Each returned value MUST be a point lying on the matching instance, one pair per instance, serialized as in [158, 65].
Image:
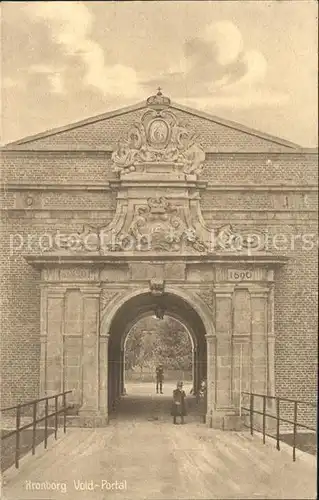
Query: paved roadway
[147, 456]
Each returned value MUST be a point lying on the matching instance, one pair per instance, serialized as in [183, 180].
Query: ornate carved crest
[160, 226]
[158, 137]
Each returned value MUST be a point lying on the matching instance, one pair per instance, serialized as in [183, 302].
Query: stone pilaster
[224, 311]
[103, 375]
[54, 345]
[271, 388]
[211, 371]
[122, 372]
[43, 340]
[240, 368]
[241, 339]
[89, 411]
[194, 369]
[43, 365]
[258, 341]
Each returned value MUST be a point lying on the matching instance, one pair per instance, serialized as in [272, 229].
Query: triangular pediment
[102, 132]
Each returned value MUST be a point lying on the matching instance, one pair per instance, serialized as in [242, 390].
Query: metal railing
[36, 420]
[252, 411]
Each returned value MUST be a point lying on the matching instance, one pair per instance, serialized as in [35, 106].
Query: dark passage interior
[129, 399]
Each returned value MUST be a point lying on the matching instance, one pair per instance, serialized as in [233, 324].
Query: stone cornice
[17, 150]
[52, 260]
[108, 150]
[110, 184]
[93, 186]
[262, 187]
[211, 153]
[210, 210]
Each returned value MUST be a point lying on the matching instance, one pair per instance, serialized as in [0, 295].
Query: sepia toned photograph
[159, 250]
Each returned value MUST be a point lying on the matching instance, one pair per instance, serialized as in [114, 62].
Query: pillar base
[233, 423]
[224, 422]
[92, 419]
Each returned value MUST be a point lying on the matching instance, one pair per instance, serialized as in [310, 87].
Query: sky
[253, 62]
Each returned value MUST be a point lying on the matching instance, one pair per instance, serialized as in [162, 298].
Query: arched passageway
[142, 305]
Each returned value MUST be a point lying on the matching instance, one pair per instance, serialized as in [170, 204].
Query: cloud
[217, 67]
[53, 75]
[70, 24]
[232, 100]
[9, 83]
[57, 84]
[227, 40]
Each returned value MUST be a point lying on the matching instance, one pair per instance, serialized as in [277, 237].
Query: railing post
[56, 417]
[46, 423]
[34, 427]
[264, 419]
[17, 454]
[295, 432]
[251, 414]
[64, 413]
[278, 422]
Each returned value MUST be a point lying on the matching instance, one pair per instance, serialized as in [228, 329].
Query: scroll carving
[106, 297]
[242, 239]
[158, 137]
[161, 226]
[206, 294]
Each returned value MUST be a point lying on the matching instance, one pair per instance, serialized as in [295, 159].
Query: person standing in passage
[179, 405]
[159, 378]
[203, 400]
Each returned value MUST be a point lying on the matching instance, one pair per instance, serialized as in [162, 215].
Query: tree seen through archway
[152, 341]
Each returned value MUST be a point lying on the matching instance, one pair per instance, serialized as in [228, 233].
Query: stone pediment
[101, 132]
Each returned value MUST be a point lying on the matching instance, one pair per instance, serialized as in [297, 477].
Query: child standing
[179, 405]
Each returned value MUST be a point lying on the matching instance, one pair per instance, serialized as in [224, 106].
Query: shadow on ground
[143, 403]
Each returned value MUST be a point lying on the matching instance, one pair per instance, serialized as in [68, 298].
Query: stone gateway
[158, 207]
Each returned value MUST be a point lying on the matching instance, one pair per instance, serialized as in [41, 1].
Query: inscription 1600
[240, 275]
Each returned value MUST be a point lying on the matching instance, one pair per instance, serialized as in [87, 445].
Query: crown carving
[158, 101]
[158, 205]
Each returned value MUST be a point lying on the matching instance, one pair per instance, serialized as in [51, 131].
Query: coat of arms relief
[160, 226]
[158, 137]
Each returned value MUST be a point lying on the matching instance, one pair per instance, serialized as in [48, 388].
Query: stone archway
[117, 319]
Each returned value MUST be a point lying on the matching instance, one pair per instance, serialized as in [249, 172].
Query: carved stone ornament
[88, 240]
[157, 287]
[206, 294]
[107, 295]
[240, 240]
[160, 226]
[158, 137]
[157, 226]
